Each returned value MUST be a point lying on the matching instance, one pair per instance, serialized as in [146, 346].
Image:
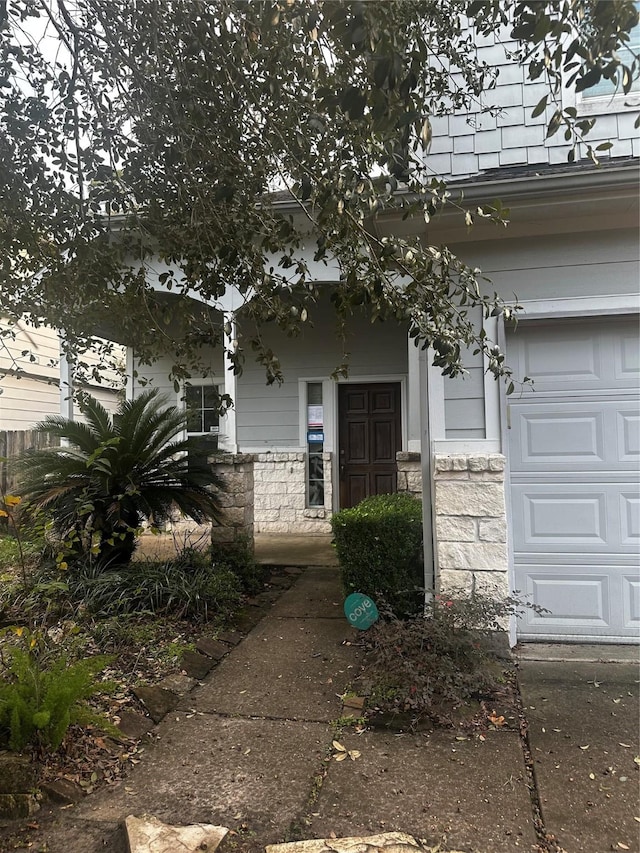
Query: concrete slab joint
[470, 522]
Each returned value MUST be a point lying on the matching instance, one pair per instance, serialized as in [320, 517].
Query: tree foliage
[166, 128]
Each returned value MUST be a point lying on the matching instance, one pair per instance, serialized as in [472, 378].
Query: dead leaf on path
[626, 745]
[342, 752]
[496, 719]
[637, 759]
[623, 846]
[585, 747]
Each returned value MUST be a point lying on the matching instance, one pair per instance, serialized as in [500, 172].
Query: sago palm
[112, 472]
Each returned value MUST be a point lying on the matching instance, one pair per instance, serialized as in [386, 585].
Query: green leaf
[540, 107]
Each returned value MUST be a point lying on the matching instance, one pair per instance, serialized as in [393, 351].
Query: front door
[370, 436]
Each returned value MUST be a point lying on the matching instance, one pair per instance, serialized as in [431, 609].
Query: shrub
[238, 557]
[379, 546]
[428, 665]
[42, 693]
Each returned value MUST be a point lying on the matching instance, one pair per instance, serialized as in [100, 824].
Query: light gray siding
[560, 265]
[464, 145]
[464, 397]
[269, 416]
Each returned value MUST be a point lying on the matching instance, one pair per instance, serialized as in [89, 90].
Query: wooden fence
[12, 444]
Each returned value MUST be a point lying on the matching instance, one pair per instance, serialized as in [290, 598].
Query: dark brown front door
[370, 436]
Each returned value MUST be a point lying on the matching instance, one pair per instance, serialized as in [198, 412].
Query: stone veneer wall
[409, 473]
[470, 522]
[280, 482]
[237, 472]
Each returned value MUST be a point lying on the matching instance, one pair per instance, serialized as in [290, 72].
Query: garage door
[574, 451]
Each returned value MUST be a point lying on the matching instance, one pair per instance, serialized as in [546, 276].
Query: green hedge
[379, 546]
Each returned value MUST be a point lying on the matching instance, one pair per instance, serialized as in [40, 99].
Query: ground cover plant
[81, 640]
[440, 665]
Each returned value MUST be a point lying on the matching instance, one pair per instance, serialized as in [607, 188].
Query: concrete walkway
[251, 749]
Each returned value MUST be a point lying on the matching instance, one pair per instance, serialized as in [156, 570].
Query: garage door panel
[572, 600]
[553, 435]
[575, 517]
[584, 355]
[631, 586]
[627, 361]
[552, 361]
[630, 519]
[629, 436]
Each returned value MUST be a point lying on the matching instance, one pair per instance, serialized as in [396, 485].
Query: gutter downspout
[427, 479]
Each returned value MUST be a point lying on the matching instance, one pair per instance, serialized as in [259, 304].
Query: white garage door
[574, 450]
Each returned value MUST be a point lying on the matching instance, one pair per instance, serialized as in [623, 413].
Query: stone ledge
[476, 462]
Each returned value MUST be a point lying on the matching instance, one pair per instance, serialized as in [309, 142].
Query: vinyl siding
[269, 416]
[560, 266]
[29, 377]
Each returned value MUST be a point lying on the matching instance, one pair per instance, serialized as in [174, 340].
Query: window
[315, 445]
[203, 418]
[597, 98]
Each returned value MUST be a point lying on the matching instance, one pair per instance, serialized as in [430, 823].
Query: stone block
[213, 649]
[473, 556]
[62, 791]
[459, 463]
[17, 774]
[177, 683]
[497, 462]
[196, 665]
[148, 833]
[443, 463]
[451, 528]
[414, 481]
[452, 581]
[470, 498]
[156, 700]
[17, 806]
[134, 725]
[492, 530]
[401, 481]
[494, 584]
[478, 463]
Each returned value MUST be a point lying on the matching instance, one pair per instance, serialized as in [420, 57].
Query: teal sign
[360, 611]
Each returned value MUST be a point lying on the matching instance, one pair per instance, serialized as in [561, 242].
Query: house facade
[536, 492]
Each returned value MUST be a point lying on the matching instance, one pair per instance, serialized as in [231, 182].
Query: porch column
[413, 397]
[229, 440]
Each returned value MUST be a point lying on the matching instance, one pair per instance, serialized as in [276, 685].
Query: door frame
[370, 379]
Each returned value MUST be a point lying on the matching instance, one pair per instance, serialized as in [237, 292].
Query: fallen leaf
[354, 753]
[340, 756]
[626, 745]
[623, 846]
[592, 775]
[336, 745]
[585, 747]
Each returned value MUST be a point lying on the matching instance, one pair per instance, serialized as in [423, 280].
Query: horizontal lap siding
[464, 396]
[559, 266]
[270, 416]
